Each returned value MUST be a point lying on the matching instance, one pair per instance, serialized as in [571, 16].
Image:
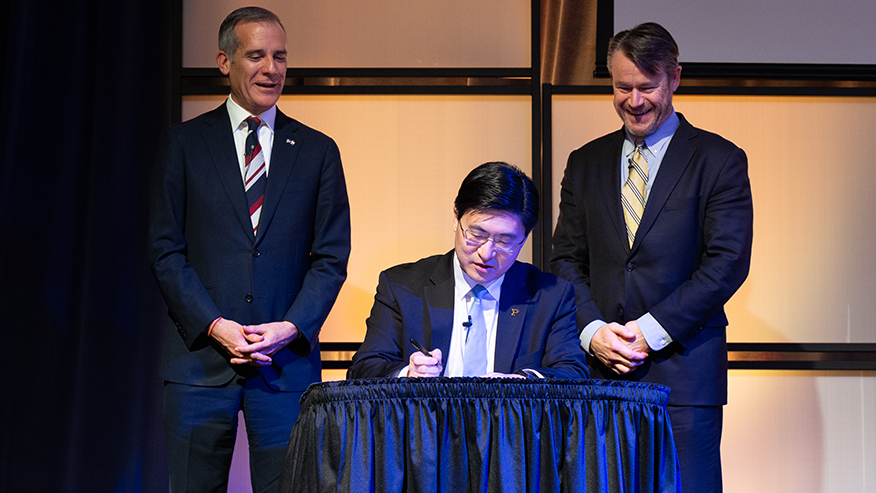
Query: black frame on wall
[749, 80]
[748, 356]
[526, 81]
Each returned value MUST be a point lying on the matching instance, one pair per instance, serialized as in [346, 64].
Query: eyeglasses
[478, 238]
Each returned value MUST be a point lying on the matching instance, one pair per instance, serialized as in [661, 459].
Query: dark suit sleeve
[563, 356]
[727, 231]
[189, 304]
[382, 353]
[329, 251]
[571, 252]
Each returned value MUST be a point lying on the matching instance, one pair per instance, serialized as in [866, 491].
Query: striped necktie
[474, 353]
[255, 178]
[633, 192]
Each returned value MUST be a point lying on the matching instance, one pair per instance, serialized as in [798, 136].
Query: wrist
[294, 329]
[212, 326]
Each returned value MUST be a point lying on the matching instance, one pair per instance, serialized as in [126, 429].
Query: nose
[269, 66]
[636, 98]
[272, 66]
[487, 251]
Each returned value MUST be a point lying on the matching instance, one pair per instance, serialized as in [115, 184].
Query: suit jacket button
[256, 253]
[620, 312]
[630, 267]
[248, 298]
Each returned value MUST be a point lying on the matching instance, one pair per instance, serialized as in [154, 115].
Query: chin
[640, 130]
[267, 103]
[480, 278]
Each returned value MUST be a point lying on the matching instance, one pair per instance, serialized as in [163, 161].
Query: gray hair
[228, 40]
[649, 46]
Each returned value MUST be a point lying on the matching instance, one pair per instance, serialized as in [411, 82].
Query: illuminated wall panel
[378, 33]
[800, 431]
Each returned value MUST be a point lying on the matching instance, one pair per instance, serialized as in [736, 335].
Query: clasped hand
[253, 344]
[622, 348]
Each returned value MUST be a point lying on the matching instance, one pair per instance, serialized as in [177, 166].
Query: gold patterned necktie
[633, 192]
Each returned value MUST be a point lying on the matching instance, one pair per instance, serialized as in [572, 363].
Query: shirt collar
[238, 115]
[657, 141]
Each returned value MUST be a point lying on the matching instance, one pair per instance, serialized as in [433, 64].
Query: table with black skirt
[460, 435]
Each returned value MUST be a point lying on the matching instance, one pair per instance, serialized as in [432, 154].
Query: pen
[420, 347]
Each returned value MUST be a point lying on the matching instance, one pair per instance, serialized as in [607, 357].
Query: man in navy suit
[528, 319]
[651, 284]
[248, 279]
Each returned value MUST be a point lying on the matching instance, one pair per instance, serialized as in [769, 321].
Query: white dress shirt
[240, 130]
[462, 300]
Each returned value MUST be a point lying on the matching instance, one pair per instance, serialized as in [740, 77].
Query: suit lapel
[512, 314]
[219, 141]
[676, 160]
[284, 154]
[438, 325]
[609, 186]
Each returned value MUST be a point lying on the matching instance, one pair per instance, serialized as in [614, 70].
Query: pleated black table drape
[459, 435]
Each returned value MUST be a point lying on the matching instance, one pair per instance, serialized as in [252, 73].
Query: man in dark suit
[655, 232]
[489, 314]
[249, 270]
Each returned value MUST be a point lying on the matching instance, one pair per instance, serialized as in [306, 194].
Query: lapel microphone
[467, 324]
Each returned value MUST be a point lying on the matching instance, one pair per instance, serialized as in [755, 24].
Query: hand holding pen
[424, 363]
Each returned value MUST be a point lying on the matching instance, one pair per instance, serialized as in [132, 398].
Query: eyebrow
[475, 227]
[263, 52]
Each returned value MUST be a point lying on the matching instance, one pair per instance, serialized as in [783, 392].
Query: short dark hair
[649, 46]
[228, 40]
[499, 186]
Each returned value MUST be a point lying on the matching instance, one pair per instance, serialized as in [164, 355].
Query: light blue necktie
[474, 353]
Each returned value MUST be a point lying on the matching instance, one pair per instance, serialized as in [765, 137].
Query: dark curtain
[85, 95]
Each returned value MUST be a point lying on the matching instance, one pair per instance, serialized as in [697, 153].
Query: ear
[455, 220]
[676, 79]
[224, 62]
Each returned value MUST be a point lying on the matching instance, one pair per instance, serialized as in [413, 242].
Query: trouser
[200, 426]
[697, 433]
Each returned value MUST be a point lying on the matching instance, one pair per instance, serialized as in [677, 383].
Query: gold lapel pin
[514, 311]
